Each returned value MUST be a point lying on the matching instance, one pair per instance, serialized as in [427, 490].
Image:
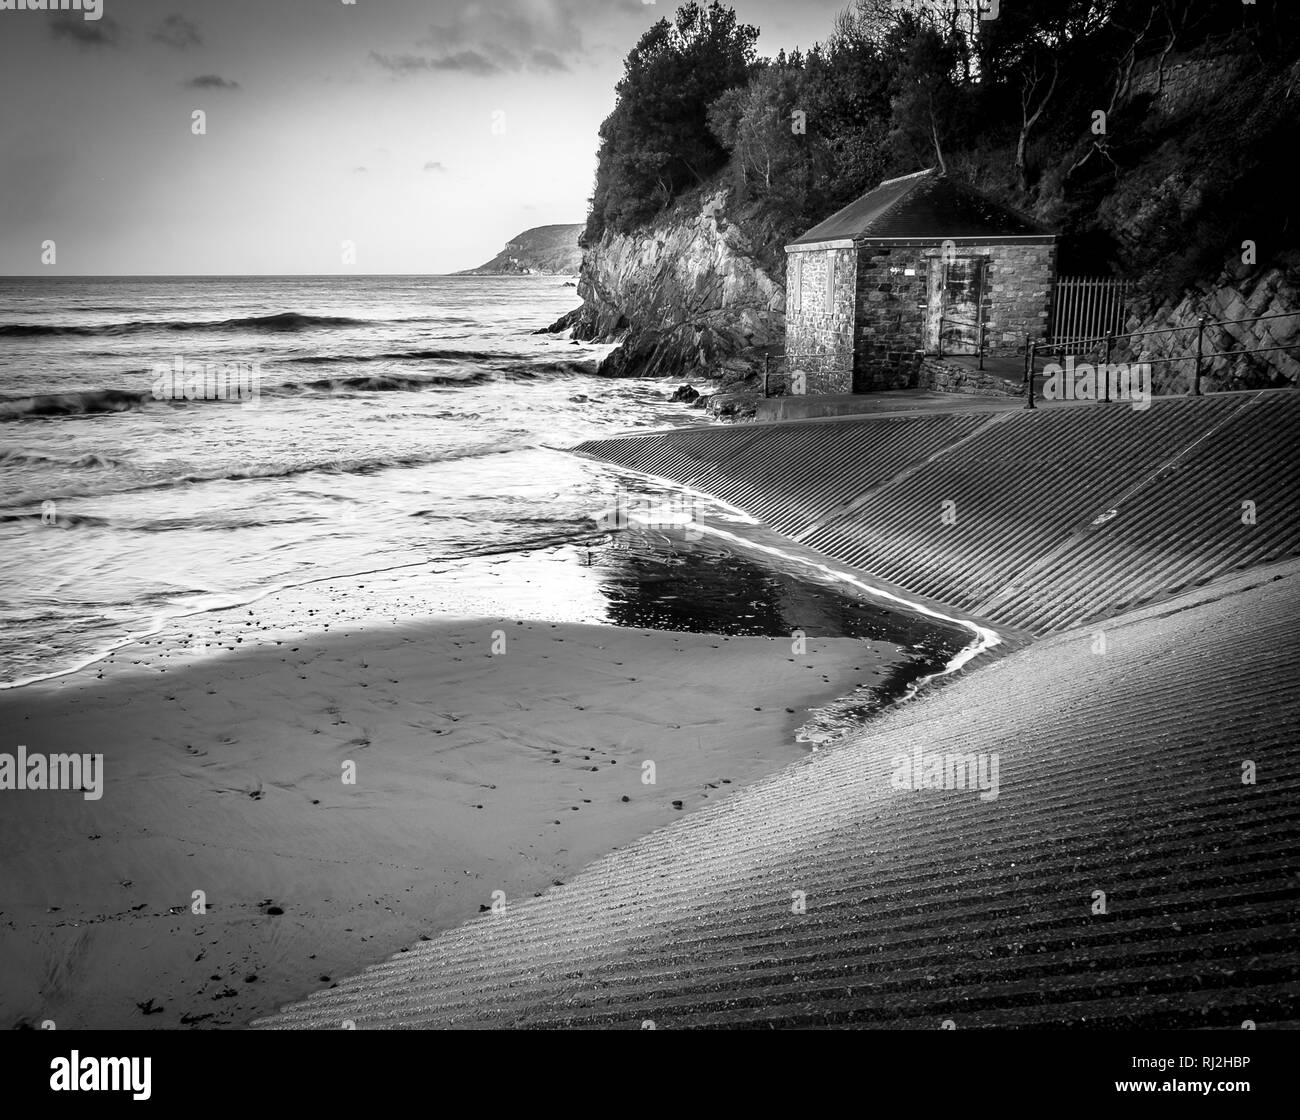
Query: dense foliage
[1010, 103]
[656, 143]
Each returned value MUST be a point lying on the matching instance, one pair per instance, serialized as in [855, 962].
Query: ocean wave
[55, 521]
[402, 356]
[380, 383]
[565, 366]
[280, 321]
[83, 401]
[208, 525]
[369, 465]
[77, 402]
[89, 461]
[423, 414]
[510, 365]
[73, 402]
[562, 534]
[272, 471]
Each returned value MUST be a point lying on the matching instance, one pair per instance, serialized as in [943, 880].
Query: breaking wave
[281, 321]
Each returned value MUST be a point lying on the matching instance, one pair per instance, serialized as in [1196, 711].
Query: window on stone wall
[830, 282]
[795, 279]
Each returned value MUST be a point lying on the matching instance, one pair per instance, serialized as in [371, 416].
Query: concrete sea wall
[1037, 520]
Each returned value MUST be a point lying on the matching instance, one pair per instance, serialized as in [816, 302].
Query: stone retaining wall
[948, 377]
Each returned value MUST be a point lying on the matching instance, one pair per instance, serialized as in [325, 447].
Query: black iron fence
[1085, 307]
[1104, 347]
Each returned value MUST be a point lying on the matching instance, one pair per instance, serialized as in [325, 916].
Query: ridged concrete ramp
[1058, 516]
[1120, 774]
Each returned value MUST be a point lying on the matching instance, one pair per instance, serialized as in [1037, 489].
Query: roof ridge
[890, 207]
[900, 178]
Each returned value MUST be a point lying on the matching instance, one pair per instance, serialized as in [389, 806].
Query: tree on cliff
[657, 143]
[756, 125]
[846, 91]
[925, 108]
[808, 133]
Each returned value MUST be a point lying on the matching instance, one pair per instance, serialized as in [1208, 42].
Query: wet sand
[476, 772]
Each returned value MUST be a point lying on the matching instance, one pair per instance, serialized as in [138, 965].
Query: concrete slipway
[1137, 866]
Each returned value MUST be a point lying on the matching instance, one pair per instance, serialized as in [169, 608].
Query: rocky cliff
[688, 295]
[1246, 354]
[546, 250]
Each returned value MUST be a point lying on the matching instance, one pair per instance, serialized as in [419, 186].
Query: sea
[358, 450]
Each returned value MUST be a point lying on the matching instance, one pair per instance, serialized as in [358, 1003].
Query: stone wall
[948, 377]
[819, 334]
[891, 315]
[1018, 300]
[892, 293]
[1186, 82]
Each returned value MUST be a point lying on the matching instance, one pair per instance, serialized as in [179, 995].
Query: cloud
[546, 60]
[103, 32]
[211, 81]
[358, 169]
[553, 25]
[434, 165]
[176, 31]
[467, 62]
[505, 36]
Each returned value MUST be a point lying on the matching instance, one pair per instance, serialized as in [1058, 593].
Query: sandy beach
[475, 772]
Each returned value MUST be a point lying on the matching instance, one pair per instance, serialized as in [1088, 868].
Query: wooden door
[952, 321]
[960, 332]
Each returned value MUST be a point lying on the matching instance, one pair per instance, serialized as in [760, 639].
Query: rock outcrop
[686, 295]
[1247, 355]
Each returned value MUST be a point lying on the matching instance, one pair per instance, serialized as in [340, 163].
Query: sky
[375, 136]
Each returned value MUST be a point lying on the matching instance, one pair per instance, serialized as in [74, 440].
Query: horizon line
[260, 275]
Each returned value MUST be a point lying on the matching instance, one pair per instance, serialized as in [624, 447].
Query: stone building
[920, 265]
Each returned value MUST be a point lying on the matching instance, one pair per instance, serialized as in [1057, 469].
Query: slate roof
[923, 206]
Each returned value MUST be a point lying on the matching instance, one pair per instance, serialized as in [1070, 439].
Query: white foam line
[672, 484]
[984, 638]
[164, 620]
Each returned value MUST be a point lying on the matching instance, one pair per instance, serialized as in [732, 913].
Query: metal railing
[1083, 306]
[1107, 343]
